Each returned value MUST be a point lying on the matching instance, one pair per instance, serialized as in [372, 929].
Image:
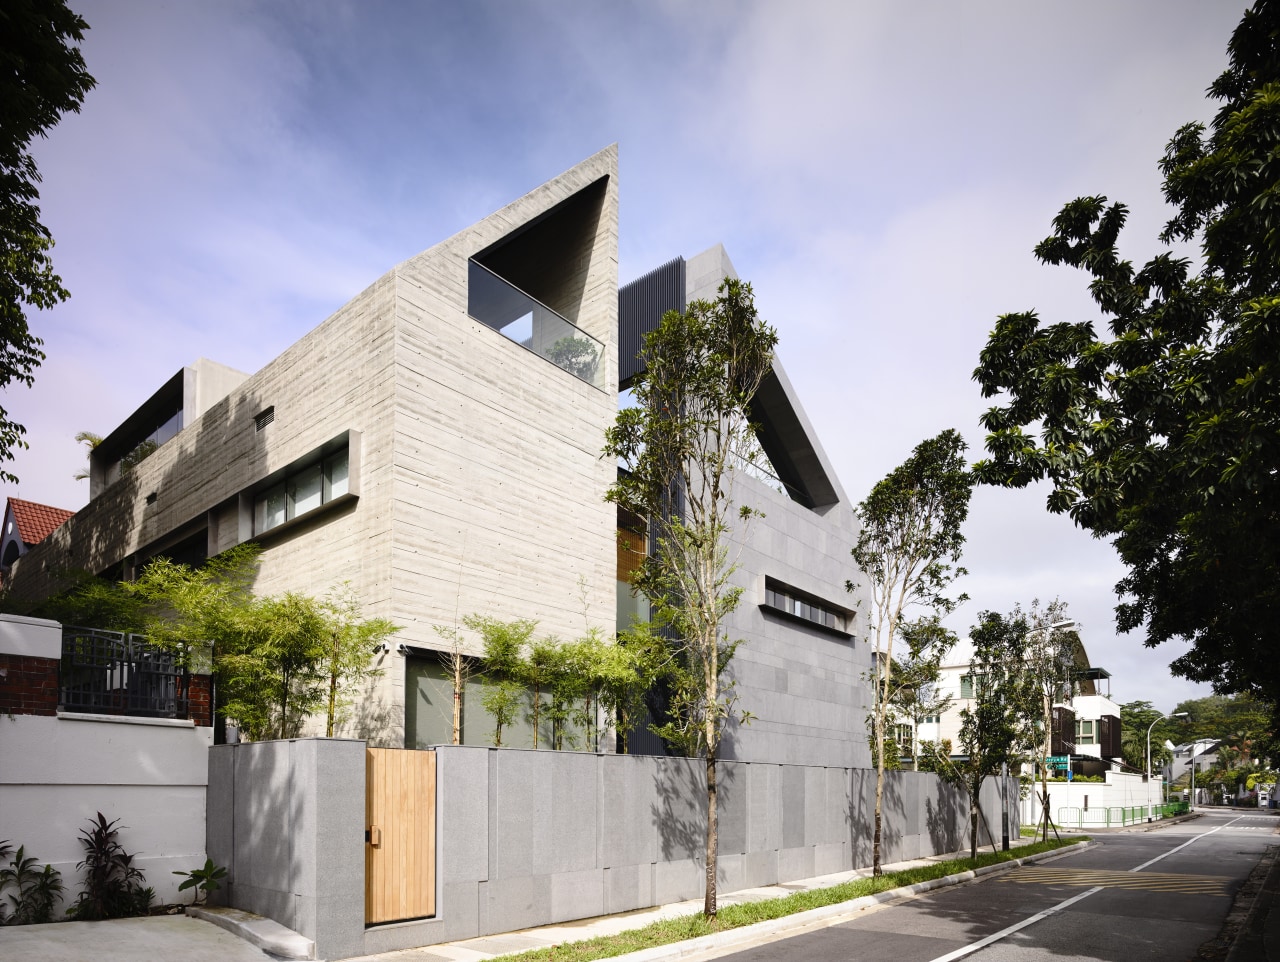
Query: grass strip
[667, 931]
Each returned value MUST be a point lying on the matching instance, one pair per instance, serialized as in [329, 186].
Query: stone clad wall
[527, 838]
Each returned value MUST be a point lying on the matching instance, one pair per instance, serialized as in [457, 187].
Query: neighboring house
[436, 443]
[1204, 751]
[26, 524]
[1086, 730]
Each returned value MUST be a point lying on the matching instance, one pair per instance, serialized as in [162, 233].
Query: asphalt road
[1132, 897]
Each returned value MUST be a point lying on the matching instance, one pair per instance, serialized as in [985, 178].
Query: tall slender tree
[906, 554]
[683, 443]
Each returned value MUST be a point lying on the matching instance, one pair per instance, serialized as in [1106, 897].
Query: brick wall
[28, 685]
[199, 698]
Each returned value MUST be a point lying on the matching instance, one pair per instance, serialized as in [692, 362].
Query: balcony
[531, 324]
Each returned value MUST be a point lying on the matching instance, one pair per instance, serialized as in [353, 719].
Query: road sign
[1058, 761]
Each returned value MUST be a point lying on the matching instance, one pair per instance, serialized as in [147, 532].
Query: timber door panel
[400, 835]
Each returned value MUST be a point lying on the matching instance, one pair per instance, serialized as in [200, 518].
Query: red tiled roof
[36, 521]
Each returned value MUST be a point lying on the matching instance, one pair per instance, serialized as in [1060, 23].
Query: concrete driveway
[156, 938]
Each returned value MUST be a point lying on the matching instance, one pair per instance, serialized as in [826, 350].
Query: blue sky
[878, 171]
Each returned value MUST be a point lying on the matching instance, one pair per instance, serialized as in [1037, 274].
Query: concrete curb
[829, 914]
[266, 934]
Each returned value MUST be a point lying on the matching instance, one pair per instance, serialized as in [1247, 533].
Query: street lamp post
[1177, 714]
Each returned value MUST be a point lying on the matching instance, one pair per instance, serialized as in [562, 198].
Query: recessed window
[782, 599]
[304, 490]
[1086, 733]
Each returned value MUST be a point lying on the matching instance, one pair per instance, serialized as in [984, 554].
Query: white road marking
[964, 950]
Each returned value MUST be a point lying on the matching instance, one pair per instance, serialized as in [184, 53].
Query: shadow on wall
[680, 812]
[947, 817]
[372, 719]
[861, 819]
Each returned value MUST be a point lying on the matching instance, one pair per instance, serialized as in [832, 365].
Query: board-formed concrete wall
[528, 838]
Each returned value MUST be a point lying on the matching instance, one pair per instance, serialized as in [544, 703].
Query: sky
[880, 173]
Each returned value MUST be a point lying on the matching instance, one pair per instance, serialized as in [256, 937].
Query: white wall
[1120, 790]
[149, 773]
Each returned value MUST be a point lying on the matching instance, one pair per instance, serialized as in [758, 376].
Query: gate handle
[373, 836]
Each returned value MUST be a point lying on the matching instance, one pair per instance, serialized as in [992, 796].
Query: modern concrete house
[435, 445]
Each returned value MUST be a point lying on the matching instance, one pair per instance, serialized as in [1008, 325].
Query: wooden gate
[400, 835]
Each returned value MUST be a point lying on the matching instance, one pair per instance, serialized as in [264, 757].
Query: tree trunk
[973, 827]
[457, 699]
[709, 904]
[875, 837]
[333, 704]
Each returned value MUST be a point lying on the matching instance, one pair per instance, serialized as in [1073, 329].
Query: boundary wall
[528, 838]
[57, 769]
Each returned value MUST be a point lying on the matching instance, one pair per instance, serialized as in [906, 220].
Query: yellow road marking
[1133, 881]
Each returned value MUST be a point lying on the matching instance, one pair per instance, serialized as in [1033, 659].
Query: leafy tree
[1164, 434]
[1136, 717]
[1048, 676]
[917, 694]
[504, 646]
[272, 676]
[909, 542]
[349, 646]
[628, 670]
[683, 443]
[43, 77]
[994, 727]
[90, 441]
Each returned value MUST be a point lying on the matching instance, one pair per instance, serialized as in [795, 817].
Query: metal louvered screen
[110, 673]
[641, 305]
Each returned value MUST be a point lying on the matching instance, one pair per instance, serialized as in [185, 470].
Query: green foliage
[349, 644]
[683, 444]
[682, 441]
[1135, 719]
[35, 891]
[113, 886]
[994, 728]
[202, 880]
[935, 757]
[914, 692]
[906, 554]
[1162, 434]
[504, 644]
[44, 76]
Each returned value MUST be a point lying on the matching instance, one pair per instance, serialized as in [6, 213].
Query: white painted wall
[1120, 790]
[149, 773]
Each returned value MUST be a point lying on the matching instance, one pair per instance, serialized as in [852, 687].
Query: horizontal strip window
[303, 490]
[786, 600]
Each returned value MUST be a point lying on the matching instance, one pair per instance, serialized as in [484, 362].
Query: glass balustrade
[530, 323]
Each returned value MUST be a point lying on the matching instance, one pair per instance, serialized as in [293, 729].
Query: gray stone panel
[462, 839]
[678, 880]
[514, 903]
[577, 895]
[732, 797]
[794, 807]
[796, 863]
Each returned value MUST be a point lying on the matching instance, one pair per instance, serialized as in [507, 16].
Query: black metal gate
[111, 673]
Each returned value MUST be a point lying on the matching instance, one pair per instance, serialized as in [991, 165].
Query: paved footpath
[1190, 870]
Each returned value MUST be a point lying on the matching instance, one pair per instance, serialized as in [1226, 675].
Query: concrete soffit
[792, 445]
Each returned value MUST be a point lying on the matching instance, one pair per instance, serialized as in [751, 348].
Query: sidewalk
[490, 946]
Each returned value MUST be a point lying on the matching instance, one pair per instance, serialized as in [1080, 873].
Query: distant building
[1086, 730]
[26, 524]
